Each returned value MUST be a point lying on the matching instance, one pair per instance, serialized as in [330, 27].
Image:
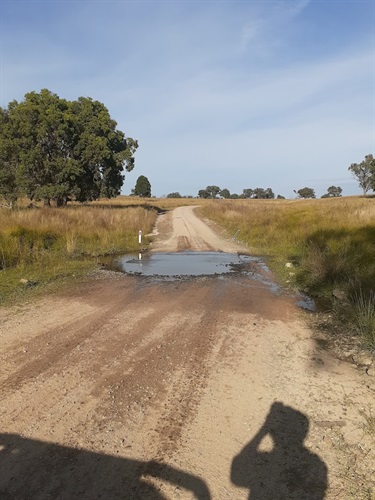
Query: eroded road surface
[127, 387]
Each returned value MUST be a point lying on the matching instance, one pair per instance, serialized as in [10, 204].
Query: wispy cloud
[269, 23]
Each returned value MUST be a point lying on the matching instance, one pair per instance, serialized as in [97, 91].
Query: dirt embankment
[213, 387]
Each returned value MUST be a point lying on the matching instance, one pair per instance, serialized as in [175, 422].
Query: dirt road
[183, 230]
[209, 387]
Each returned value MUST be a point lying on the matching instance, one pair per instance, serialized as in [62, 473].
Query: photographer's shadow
[288, 470]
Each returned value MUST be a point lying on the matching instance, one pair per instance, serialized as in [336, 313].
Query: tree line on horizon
[363, 172]
[260, 193]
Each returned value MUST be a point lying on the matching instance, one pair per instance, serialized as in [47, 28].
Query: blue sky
[240, 94]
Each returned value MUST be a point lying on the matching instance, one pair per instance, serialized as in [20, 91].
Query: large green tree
[39, 144]
[100, 149]
[64, 150]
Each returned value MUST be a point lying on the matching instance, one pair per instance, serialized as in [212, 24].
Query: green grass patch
[23, 282]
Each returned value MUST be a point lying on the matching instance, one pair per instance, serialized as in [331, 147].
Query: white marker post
[140, 242]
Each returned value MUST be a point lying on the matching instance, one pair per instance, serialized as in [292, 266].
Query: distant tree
[306, 192]
[280, 197]
[260, 193]
[202, 193]
[269, 194]
[174, 195]
[213, 191]
[234, 196]
[224, 193]
[364, 172]
[142, 187]
[247, 193]
[333, 192]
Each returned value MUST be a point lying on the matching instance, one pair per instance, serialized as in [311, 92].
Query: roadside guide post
[140, 242]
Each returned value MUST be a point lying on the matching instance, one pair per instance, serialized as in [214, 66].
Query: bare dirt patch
[212, 387]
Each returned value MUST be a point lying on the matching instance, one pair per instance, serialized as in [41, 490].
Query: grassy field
[325, 247]
[42, 245]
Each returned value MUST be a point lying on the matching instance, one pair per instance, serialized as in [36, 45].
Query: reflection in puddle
[184, 264]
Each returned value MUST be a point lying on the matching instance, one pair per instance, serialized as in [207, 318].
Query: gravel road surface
[127, 387]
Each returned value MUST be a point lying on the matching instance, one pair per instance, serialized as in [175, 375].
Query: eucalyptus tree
[9, 190]
[225, 193]
[100, 150]
[364, 172]
[305, 192]
[61, 150]
[260, 193]
[247, 193]
[40, 143]
[333, 192]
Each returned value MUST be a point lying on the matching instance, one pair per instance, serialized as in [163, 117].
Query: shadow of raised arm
[288, 470]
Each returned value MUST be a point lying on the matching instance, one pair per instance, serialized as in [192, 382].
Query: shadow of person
[288, 470]
[36, 469]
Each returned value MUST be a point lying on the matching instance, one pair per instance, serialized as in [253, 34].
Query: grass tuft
[363, 310]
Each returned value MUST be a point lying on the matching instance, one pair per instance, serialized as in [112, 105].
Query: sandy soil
[213, 387]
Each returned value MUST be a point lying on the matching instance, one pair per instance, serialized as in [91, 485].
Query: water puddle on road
[180, 265]
[184, 264]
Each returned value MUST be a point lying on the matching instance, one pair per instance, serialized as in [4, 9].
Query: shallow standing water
[174, 266]
[182, 263]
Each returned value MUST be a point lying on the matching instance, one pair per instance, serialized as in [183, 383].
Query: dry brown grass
[74, 230]
[273, 226]
[43, 244]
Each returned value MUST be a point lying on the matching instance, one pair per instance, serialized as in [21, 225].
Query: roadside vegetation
[42, 245]
[324, 247]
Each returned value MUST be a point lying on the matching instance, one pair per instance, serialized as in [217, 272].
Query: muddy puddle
[184, 264]
[180, 265]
